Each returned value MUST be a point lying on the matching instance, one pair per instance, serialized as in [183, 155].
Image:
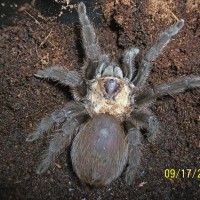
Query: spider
[110, 107]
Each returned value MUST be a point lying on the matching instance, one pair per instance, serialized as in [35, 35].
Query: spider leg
[65, 77]
[71, 78]
[57, 117]
[134, 154]
[148, 121]
[59, 142]
[88, 33]
[129, 61]
[179, 85]
[154, 51]
[92, 49]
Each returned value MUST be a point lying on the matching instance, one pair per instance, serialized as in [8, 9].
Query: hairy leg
[60, 141]
[148, 121]
[71, 78]
[134, 154]
[68, 112]
[167, 88]
[154, 51]
[129, 61]
[92, 49]
[88, 33]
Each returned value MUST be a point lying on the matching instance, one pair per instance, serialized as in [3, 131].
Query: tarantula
[109, 109]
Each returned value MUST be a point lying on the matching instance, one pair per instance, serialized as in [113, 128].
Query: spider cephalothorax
[109, 95]
[109, 109]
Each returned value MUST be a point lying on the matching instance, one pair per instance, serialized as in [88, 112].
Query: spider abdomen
[99, 151]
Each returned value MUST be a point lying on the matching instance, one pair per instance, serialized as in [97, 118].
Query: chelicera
[111, 105]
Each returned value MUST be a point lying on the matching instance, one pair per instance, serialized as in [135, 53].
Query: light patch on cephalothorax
[115, 101]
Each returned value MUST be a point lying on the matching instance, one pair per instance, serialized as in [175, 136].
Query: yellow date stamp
[182, 173]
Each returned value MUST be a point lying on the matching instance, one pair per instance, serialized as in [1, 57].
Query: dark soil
[37, 42]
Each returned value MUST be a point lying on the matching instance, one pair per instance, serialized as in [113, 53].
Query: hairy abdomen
[99, 151]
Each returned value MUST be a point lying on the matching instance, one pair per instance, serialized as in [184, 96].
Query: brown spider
[110, 107]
